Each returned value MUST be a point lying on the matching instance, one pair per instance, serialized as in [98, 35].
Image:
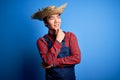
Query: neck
[52, 32]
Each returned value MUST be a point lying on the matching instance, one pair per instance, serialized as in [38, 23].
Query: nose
[56, 20]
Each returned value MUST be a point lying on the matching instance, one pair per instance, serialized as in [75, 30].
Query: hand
[46, 66]
[60, 35]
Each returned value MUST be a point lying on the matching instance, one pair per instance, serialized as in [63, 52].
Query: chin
[57, 28]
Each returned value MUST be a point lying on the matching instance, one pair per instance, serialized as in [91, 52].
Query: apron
[58, 73]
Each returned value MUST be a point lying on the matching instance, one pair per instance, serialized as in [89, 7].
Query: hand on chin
[56, 30]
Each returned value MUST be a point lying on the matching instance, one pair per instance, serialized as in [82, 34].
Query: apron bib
[58, 73]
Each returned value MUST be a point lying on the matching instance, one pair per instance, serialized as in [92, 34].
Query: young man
[58, 49]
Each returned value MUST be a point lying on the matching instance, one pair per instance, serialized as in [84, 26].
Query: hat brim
[40, 15]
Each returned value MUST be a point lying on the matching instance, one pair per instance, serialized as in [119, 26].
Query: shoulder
[70, 34]
[41, 40]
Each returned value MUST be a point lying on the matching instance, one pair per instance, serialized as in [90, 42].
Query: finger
[56, 31]
[47, 67]
[43, 65]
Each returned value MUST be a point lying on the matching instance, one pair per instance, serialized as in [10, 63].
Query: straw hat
[41, 14]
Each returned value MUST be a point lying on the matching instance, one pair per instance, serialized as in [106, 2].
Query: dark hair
[45, 19]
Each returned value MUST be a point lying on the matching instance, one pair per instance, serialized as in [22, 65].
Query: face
[53, 22]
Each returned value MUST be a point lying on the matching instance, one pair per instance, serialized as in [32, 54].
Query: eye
[51, 17]
[58, 17]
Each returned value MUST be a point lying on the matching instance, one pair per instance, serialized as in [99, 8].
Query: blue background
[96, 24]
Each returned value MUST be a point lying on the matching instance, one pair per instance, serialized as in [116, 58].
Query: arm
[75, 56]
[48, 56]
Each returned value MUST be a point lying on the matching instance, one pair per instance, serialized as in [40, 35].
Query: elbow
[46, 60]
[78, 61]
[78, 57]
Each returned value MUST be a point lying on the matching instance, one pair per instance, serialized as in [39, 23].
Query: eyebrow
[52, 16]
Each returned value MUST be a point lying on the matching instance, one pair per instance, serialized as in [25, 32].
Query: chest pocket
[65, 51]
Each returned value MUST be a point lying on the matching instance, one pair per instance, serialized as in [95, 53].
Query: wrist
[58, 40]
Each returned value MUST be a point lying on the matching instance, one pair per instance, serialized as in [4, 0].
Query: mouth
[56, 26]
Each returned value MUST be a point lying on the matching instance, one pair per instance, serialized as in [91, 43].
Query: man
[58, 49]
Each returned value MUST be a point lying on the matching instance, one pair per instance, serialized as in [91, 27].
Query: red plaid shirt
[49, 56]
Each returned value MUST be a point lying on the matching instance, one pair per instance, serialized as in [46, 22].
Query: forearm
[69, 60]
[49, 55]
